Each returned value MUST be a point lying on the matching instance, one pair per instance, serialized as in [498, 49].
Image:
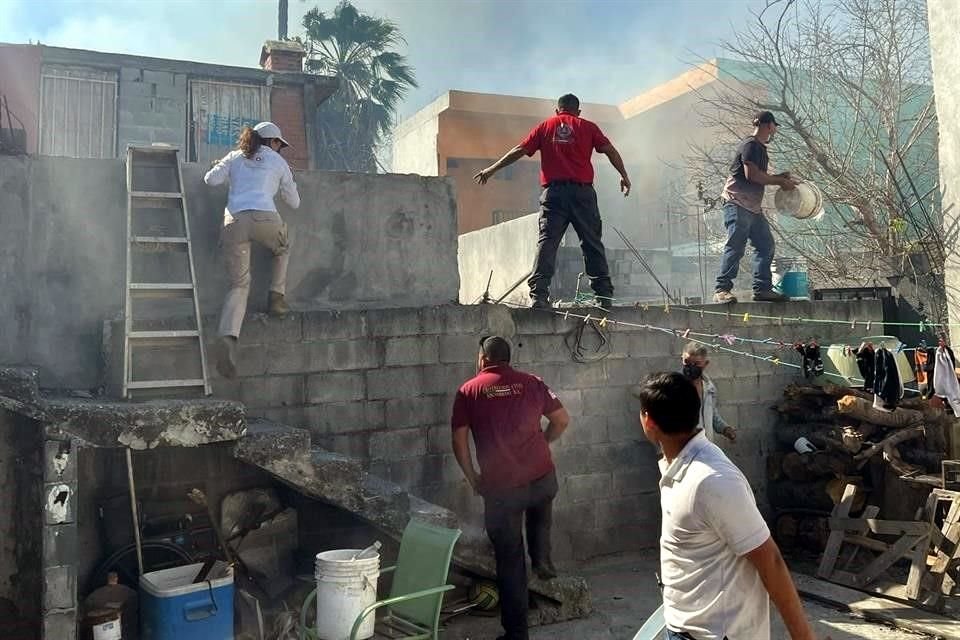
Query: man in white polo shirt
[718, 562]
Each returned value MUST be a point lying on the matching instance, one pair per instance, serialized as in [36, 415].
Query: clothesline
[605, 321]
[923, 325]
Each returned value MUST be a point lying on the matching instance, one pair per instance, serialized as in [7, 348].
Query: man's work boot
[724, 297]
[278, 305]
[605, 302]
[227, 357]
[541, 303]
[769, 296]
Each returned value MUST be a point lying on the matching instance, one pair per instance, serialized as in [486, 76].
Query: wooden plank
[835, 541]
[882, 527]
[918, 563]
[882, 562]
[951, 532]
[896, 614]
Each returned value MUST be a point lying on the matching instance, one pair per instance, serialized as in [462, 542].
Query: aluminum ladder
[154, 191]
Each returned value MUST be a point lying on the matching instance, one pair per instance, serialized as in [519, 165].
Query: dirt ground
[625, 593]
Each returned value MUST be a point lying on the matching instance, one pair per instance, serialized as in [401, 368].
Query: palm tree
[357, 48]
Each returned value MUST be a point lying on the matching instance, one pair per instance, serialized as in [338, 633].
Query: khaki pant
[263, 227]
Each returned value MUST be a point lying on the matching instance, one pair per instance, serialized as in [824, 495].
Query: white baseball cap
[270, 130]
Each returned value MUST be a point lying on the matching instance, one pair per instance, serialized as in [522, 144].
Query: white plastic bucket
[802, 203]
[345, 587]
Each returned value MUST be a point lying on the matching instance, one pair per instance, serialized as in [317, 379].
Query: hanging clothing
[923, 368]
[812, 364]
[887, 387]
[945, 382]
[866, 362]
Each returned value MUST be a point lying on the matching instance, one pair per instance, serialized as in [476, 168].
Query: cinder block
[59, 588]
[389, 323]
[399, 382]
[608, 401]
[421, 411]
[354, 445]
[129, 74]
[158, 77]
[460, 348]
[60, 625]
[131, 106]
[334, 325]
[446, 378]
[272, 391]
[581, 516]
[411, 351]
[253, 359]
[60, 545]
[60, 461]
[549, 349]
[586, 430]
[398, 444]
[426, 470]
[587, 487]
[175, 91]
[628, 482]
[439, 438]
[636, 509]
[344, 355]
[284, 358]
[128, 90]
[536, 321]
[260, 328]
[576, 375]
[336, 387]
[344, 417]
[454, 319]
[625, 427]
[571, 399]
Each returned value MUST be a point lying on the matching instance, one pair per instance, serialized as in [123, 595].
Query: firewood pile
[853, 443]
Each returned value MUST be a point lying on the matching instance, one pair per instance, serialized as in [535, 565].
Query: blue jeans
[743, 225]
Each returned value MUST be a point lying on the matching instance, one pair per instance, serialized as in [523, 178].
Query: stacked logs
[855, 443]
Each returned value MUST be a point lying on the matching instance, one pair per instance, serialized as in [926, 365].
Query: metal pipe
[133, 510]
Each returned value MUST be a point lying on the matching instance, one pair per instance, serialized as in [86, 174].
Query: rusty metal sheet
[219, 111]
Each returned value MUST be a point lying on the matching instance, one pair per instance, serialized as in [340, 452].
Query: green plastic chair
[419, 582]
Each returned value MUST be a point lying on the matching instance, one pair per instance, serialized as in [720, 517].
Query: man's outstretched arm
[614, 156]
[778, 583]
[508, 159]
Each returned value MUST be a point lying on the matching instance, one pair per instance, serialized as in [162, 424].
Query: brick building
[88, 104]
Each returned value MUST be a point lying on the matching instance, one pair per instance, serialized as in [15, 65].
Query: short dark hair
[671, 400]
[568, 102]
[764, 117]
[495, 349]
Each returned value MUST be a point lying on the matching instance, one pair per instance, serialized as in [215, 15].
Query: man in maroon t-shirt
[566, 142]
[502, 408]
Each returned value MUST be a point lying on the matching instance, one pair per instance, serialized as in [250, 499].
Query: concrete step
[284, 452]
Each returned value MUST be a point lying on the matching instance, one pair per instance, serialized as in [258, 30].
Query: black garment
[812, 362]
[504, 520]
[563, 204]
[886, 383]
[866, 361]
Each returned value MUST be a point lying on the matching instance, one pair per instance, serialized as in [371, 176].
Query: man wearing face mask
[695, 361]
[743, 215]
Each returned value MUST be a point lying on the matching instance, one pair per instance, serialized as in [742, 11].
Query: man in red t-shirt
[566, 142]
[502, 408]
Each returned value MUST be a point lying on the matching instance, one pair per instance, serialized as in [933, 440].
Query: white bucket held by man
[803, 203]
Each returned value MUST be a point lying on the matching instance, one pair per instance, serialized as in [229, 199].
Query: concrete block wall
[379, 385]
[60, 534]
[151, 107]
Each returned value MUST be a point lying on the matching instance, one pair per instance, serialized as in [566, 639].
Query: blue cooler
[173, 608]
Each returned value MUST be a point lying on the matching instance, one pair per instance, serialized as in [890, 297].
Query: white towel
[945, 382]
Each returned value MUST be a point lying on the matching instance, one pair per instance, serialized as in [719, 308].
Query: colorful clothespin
[746, 317]
[566, 315]
[603, 323]
[781, 321]
[869, 322]
[728, 338]
[701, 314]
[686, 334]
[923, 326]
[853, 325]
[666, 308]
[645, 307]
[587, 319]
[775, 361]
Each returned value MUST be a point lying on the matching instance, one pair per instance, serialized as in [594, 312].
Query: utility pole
[282, 20]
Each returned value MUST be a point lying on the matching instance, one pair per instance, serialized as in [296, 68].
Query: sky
[603, 50]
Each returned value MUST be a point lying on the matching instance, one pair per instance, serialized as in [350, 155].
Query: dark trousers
[743, 225]
[563, 204]
[504, 519]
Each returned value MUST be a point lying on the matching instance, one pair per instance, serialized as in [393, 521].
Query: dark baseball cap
[764, 117]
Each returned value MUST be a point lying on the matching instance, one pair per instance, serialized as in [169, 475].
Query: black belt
[562, 183]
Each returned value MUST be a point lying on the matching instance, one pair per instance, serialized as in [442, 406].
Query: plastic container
[790, 277]
[345, 587]
[173, 608]
[803, 203]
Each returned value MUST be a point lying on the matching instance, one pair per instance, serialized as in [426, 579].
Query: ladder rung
[161, 289]
[156, 194]
[151, 335]
[158, 240]
[164, 384]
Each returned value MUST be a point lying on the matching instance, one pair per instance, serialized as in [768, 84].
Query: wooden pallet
[933, 549]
